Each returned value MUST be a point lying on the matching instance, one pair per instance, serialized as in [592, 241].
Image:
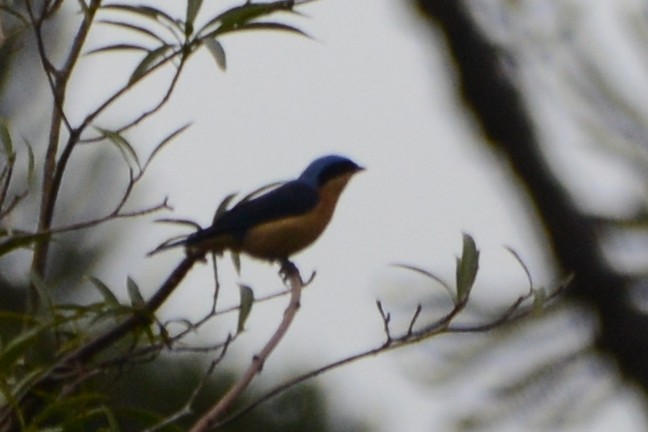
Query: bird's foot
[289, 269]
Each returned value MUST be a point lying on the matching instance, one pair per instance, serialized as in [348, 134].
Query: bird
[281, 222]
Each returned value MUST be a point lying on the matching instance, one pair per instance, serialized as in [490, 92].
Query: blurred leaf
[77, 408]
[113, 424]
[467, 267]
[148, 12]
[125, 148]
[164, 142]
[43, 293]
[17, 347]
[105, 292]
[134, 293]
[255, 193]
[147, 63]
[118, 47]
[539, 300]
[238, 16]
[193, 7]
[218, 53]
[20, 241]
[222, 207]
[247, 300]
[518, 258]
[426, 273]
[236, 260]
[30, 163]
[135, 28]
[271, 26]
[16, 390]
[7, 142]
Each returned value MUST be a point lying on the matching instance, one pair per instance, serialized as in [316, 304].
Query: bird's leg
[288, 269]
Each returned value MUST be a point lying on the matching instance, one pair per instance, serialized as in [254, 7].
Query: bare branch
[408, 338]
[225, 403]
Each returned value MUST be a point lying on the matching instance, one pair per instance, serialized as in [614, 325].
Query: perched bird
[283, 221]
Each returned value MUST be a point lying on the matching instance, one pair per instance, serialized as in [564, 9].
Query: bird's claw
[288, 269]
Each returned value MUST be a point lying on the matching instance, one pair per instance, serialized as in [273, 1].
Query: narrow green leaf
[43, 292]
[134, 293]
[17, 347]
[164, 142]
[247, 300]
[518, 258]
[113, 424]
[255, 193]
[240, 15]
[222, 207]
[105, 292]
[134, 28]
[147, 63]
[217, 51]
[118, 47]
[20, 241]
[15, 391]
[236, 260]
[148, 12]
[30, 163]
[467, 267]
[430, 275]
[124, 146]
[539, 300]
[193, 7]
[7, 142]
[270, 26]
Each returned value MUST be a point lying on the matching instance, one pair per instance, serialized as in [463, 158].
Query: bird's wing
[290, 199]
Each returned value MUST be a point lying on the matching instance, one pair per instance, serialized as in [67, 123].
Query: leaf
[118, 47]
[164, 142]
[126, 149]
[539, 300]
[240, 15]
[147, 63]
[18, 346]
[43, 292]
[16, 390]
[105, 292]
[524, 267]
[270, 26]
[467, 267]
[193, 7]
[148, 12]
[134, 293]
[255, 193]
[7, 142]
[30, 162]
[218, 53]
[426, 273]
[236, 260]
[20, 241]
[222, 207]
[132, 27]
[247, 300]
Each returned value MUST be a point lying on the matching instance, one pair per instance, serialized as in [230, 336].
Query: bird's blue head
[326, 168]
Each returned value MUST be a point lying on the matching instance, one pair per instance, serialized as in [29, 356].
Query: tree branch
[224, 404]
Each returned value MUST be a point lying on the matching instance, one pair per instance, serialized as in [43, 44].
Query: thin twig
[408, 338]
[224, 404]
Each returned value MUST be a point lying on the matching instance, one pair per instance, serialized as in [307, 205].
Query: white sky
[372, 87]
